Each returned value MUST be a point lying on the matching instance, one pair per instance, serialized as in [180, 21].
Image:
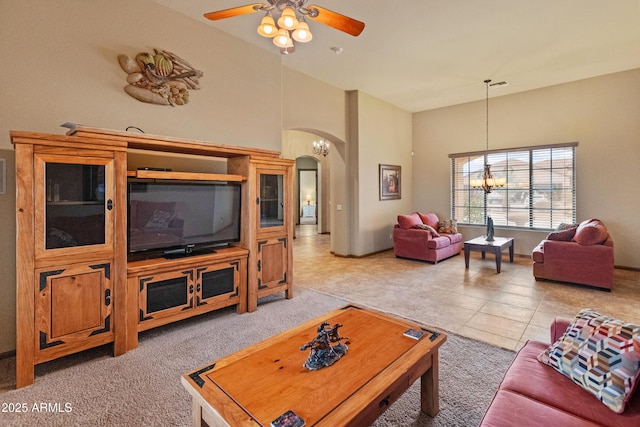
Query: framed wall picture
[390, 182]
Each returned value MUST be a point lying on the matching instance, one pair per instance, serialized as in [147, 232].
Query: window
[539, 192]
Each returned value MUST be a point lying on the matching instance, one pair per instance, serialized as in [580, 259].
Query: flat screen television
[174, 218]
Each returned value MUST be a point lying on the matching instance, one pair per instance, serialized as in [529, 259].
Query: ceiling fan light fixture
[267, 27]
[302, 33]
[287, 50]
[288, 19]
[282, 39]
[285, 21]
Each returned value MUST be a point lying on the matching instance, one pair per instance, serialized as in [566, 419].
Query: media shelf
[171, 289]
[76, 289]
[185, 176]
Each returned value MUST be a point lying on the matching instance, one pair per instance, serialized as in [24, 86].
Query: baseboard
[7, 354]
[360, 256]
[623, 267]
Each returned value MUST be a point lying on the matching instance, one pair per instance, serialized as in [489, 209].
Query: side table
[480, 244]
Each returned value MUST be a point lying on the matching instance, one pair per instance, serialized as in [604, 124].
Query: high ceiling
[425, 54]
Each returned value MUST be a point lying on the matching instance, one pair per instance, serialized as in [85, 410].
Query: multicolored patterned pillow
[449, 226]
[429, 228]
[601, 354]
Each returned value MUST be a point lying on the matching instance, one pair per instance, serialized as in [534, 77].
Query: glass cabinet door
[76, 197]
[272, 212]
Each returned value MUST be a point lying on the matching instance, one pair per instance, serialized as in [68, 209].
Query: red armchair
[582, 255]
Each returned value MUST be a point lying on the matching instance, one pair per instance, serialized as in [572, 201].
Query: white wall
[601, 113]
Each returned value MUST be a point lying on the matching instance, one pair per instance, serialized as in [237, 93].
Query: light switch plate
[3, 176]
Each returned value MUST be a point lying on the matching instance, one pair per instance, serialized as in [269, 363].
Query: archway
[297, 144]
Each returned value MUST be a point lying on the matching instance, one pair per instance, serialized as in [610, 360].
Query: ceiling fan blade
[336, 20]
[234, 11]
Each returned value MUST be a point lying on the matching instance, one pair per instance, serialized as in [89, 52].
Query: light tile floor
[503, 309]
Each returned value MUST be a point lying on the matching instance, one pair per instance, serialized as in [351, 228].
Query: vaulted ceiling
[425, 54]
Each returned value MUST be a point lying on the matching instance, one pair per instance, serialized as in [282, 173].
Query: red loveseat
[423, 237]
[582, 255]
[533, 394]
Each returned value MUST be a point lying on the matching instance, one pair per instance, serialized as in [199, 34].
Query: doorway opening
[308, 194]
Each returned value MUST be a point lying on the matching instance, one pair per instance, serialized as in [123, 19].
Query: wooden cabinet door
[272, 262]
[73, 308]
[272, 200]
[165, 294]
[74, 205]
[217, 282]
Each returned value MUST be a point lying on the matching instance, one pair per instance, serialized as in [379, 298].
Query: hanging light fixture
[287, 29]
[321, 147]
[288, 19]
[282, 39]
[284, 21]
[302, 33]
[488, 182]
[267, 27]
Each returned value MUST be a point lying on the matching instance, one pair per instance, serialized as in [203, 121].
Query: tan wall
[8, 256]
[296, 144]
[60, 64]
[314, 106]
[383, 137]
[600, 113]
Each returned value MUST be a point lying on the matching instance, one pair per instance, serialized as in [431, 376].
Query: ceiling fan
[291, 24]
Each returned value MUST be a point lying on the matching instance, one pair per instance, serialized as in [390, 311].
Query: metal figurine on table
[489, 229]
[322, 353]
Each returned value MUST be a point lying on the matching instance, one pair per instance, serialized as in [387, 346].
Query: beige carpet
[142, 387]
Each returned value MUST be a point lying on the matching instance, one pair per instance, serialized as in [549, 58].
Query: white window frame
[540, 190]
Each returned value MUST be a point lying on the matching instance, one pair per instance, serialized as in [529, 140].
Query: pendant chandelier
[321, 147]
[488, 182]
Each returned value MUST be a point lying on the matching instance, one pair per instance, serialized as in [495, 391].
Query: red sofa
[534, 394]
[582, 254]
[413, 239]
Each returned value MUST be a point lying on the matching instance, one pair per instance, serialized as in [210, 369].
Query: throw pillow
[429, 218]
[601, 354]
[563, 235]
[564, 226]
[591, 232]
[429, 228]
[160, 219]
[60, 239]
[449, 226]
[408, 221]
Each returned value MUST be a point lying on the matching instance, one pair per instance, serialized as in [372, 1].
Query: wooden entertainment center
[75, 287]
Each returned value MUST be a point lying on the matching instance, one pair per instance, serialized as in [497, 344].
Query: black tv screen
[181, 217]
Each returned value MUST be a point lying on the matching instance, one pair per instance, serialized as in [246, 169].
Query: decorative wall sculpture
[160, 78]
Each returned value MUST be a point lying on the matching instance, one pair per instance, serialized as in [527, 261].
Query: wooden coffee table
[480, 244]
[258, 384]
